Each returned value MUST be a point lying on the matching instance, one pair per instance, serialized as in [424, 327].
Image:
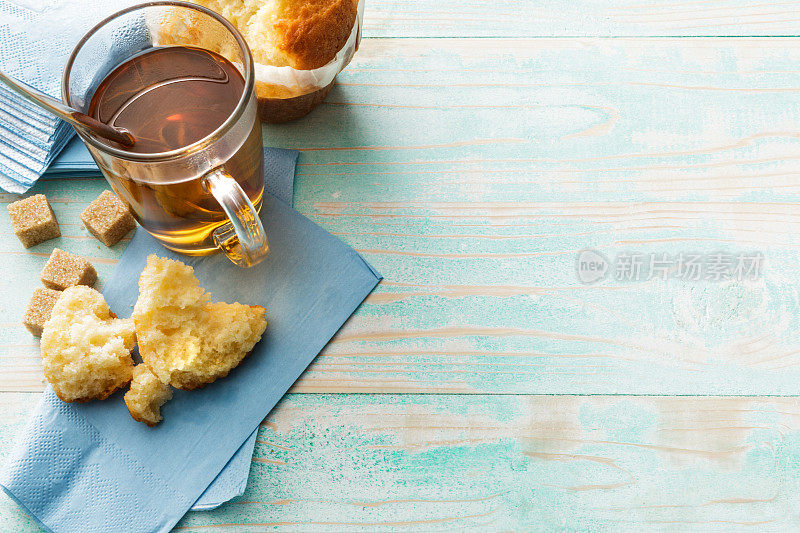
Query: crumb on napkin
[146, 396]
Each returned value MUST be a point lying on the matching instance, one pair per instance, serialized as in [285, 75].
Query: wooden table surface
[469, 152]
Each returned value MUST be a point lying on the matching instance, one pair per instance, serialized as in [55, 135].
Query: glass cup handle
[243, 240]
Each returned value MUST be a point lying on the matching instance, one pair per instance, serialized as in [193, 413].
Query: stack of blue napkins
[36, 38]
[74, 161]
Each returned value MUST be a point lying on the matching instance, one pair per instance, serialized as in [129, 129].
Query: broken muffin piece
[184, 339]
[86, 351]
[146, 396]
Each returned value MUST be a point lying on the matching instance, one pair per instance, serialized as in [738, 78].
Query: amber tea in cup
[194, 178]
[169, 98]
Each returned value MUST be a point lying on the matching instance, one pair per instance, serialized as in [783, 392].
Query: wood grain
[471, 171]
[478, 463]
[561, 18]
[471, 177]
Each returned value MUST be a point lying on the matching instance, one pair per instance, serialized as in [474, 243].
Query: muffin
[302, 34]
[298, 47]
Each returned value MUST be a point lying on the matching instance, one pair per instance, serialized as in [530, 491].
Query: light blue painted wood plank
[459, 174]
[493, 463]
[594, 18]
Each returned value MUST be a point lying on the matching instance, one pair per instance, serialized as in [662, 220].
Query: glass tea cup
[199, 198]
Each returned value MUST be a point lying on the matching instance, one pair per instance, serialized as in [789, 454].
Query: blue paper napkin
[73, 161]
[279, 167]
[91, 467]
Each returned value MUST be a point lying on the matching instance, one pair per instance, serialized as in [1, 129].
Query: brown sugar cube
[39, 309]
[33, 220]
[107, 218]
[64, 269]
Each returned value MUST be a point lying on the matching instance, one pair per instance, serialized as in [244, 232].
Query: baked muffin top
[302, 34]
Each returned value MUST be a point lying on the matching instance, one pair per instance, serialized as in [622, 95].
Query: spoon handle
[80, 120]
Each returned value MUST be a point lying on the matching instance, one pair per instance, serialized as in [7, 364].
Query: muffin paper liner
[300, 82]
